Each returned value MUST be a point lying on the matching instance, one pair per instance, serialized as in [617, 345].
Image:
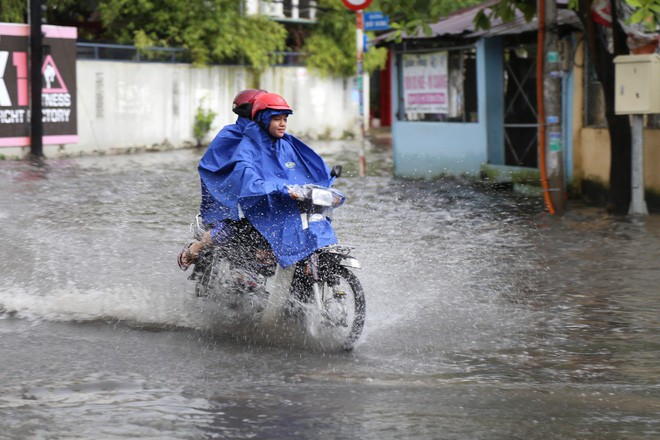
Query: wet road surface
[486, 318]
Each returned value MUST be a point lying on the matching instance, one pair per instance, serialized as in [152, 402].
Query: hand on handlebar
[296, 192]
[305, 192]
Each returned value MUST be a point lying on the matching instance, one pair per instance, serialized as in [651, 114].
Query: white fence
[128, 105]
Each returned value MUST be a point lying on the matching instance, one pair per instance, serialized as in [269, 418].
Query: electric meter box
[637, 84]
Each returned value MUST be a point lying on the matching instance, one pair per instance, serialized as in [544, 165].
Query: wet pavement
[486, 318]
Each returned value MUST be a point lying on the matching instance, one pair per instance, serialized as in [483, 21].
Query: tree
[212, 30]
[647, 11]
[618, 125]
[331, 47]
[414, 15]
[13, 11]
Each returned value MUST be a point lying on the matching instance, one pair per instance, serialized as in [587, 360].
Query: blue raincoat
[215, 158]
[253, 183]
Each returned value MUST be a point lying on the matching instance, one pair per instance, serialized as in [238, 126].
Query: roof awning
[461, 24]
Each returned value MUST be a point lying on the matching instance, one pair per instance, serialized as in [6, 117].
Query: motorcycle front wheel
[344, 306]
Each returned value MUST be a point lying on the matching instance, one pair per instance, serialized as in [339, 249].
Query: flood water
[486, 318]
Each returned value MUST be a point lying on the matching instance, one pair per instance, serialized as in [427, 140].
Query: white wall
[124, 105]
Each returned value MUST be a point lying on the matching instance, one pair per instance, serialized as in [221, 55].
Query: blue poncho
[253, 182]
[215, 158]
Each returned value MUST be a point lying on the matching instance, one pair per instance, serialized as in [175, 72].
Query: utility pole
[550, 117]
[36, 59]
[637, 94]
[637, 202]
[358, 6]
[359, 36]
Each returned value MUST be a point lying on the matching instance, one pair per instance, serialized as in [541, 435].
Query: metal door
[520, 111]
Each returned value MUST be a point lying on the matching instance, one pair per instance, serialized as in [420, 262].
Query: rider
[258, 182]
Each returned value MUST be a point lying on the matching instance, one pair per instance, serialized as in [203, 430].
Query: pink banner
[427, 98]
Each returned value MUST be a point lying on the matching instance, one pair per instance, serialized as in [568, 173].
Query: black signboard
[58, 82]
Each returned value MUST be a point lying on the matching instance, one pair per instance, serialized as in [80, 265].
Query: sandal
[185, 259]
[265, 257]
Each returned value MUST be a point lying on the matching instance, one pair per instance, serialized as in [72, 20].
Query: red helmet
[269, 100]
[242, 105]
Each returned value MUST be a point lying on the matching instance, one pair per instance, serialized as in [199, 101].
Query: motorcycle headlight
[321, 197]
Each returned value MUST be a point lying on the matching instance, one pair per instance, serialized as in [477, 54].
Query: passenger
[219, 153]
[256, 183]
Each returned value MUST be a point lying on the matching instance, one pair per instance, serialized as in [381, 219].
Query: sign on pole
[356, 5]
[376, 21]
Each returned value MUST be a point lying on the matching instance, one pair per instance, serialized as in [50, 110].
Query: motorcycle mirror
[336, 171]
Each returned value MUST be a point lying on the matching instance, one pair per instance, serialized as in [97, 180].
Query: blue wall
[429, 149]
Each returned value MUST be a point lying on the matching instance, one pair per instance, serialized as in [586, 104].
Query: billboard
[58, 85]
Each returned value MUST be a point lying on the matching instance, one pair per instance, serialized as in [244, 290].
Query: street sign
[376, 21]
[356, 5]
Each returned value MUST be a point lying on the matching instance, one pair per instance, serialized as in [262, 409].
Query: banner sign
[425, 82]
[58, 85]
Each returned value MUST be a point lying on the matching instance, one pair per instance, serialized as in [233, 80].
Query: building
[464, 102]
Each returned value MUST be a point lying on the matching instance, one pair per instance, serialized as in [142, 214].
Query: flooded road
[486, 318]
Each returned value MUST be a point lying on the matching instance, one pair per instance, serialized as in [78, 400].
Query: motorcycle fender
[278, 287]
[351, 262]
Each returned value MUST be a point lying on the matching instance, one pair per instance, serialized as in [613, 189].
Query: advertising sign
[58, 85]
[425, 82]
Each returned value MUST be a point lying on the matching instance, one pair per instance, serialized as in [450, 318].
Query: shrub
[203, 121]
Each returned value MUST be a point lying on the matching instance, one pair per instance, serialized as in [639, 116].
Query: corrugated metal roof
[461, 23]
[458, 22]
[521, 25]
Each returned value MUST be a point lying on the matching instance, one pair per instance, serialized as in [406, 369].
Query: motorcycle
[321, 292]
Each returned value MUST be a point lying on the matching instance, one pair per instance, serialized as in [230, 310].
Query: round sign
[356, 5]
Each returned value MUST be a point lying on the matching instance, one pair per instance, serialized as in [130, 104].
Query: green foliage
[505, 10]
[414, 16]
[647, 11]
[331, 48]
[13, 11]
[213, 31]
[203, 121]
